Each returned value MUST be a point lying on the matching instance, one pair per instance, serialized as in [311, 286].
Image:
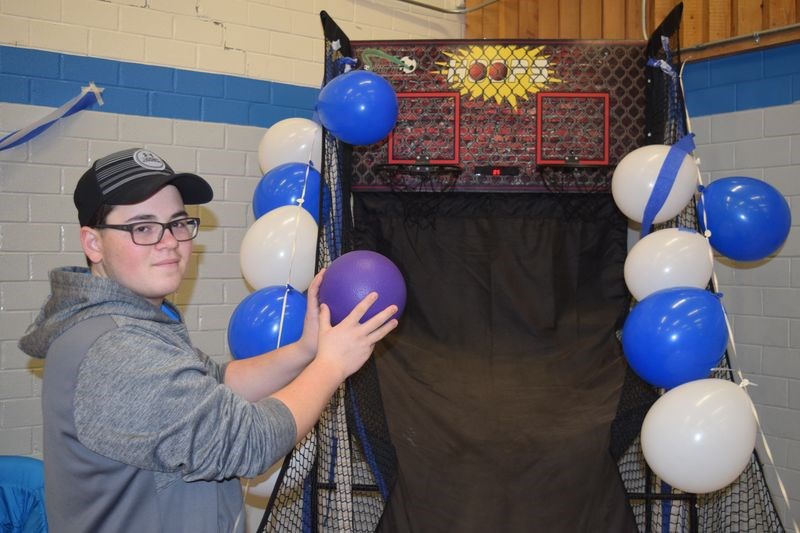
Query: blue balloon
[675, 335]
[358, 107]
[283, 185]
[255, 324]
[748, 218]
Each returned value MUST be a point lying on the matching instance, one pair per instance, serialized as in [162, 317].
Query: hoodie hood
[75, 295]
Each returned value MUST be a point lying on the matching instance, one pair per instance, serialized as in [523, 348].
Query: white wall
[762, 298]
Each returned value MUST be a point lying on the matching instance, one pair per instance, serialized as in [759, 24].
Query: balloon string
[302, 199]
[300, 202]
[744, 383]
[241, 511]
[734, 362]
[283, 315]
[700, 184]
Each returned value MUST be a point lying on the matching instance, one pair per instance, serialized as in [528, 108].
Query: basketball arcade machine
[491, 118]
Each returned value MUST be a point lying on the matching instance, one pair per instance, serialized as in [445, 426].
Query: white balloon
[279, 248]
[636, 175]
[292, 140]
[699, 436]
[668, 258]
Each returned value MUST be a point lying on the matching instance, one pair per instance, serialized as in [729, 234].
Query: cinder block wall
[745, 113]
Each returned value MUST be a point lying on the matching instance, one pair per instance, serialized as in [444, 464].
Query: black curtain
[503, 379]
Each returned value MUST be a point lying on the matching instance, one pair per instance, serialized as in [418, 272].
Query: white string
[644, 19]
[300, 202]
[244, 500]
[288, 288]
[743, 382]
[283, 315]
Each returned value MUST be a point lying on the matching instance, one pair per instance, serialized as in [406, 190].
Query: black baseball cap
[132, 176]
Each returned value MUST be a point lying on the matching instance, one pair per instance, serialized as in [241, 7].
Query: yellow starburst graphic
[502, 73]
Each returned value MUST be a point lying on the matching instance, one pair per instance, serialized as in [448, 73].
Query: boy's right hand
[348, 345]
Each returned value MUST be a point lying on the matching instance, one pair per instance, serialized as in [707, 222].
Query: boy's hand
[310, 337]
[348, 345]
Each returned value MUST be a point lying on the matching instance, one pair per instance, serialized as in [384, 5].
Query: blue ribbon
[366, 446]
[666, 178]
[346, 64]
[666, 508]
[663, 65]
[89, 95]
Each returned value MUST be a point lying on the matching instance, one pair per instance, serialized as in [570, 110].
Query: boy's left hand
[310, 337]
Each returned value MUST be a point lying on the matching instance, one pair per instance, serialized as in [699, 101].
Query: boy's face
[154, 271]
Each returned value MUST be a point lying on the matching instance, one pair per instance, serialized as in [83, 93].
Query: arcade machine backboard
[504, 116]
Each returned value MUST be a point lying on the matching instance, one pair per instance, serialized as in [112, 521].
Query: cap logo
[149, 160]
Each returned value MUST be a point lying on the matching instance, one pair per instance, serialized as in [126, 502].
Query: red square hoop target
[427, 128]
[572, 129]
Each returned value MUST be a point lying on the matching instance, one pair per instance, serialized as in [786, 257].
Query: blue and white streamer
[89, 95]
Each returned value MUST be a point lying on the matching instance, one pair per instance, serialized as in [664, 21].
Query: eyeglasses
[150, 233]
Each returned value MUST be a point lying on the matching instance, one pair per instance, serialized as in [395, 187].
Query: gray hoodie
[140, 434]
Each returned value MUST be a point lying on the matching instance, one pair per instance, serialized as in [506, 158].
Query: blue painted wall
[743, 81]
[750, 80]
[49, 79]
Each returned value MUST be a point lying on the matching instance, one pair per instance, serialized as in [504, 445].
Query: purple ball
[352, 276]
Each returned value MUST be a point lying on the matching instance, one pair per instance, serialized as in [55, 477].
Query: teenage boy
[142, 431]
